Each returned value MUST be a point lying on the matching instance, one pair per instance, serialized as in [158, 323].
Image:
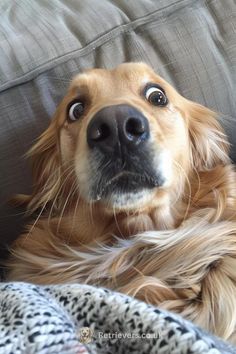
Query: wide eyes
[156, 96]
[75, 111]
[153, 93]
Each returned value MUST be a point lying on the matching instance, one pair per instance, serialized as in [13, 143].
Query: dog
[134, 190]
[85, 335]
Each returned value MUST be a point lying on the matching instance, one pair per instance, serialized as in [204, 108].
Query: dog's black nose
[120, 124]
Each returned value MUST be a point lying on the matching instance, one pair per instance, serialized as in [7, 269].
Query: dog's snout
[119, 124]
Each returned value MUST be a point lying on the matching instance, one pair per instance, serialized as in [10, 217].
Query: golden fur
[176, 247]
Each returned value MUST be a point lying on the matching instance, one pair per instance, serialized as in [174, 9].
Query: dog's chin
[128, 200]
[127, 191]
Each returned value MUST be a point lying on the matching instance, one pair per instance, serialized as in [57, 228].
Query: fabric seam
[94, 44]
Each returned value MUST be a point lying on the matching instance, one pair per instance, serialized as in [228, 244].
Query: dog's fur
[174, 245]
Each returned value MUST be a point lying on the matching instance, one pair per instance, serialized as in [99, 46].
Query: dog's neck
[88, 223]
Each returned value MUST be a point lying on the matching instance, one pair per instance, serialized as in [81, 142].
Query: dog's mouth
[124, 182]
[127, 182]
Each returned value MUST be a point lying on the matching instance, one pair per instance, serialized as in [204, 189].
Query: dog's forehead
[125, 76]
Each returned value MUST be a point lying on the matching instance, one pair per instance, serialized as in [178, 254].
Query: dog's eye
[156, 96]
[75, 111]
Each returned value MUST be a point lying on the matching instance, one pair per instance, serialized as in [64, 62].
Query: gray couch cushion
[43, 44]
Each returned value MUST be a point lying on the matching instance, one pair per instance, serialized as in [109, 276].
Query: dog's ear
[209, 145]
[46, 169]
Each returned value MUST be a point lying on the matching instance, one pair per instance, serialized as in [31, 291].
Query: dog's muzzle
[117, 127]
[118, 139]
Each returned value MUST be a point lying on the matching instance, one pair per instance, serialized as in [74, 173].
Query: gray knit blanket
[84, 319]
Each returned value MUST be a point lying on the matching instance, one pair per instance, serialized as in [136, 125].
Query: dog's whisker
[60, 190]
[35, 222]
[91, 204]
[32, 206]
[66, 201]
[77, 192]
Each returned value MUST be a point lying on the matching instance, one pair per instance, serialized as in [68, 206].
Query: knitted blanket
[84, 319]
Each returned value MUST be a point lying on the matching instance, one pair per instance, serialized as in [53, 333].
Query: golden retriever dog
[85, 335]
[134, 191]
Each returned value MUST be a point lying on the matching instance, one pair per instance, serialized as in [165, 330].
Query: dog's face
[85, 332]
[130, 137]
[126, 135]
[85, 335]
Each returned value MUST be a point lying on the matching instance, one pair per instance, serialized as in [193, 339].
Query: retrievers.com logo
[86, 335]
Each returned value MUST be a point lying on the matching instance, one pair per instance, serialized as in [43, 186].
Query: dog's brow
[146, 79]
[81, 89]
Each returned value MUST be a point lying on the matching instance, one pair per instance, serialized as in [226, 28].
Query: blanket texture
[84, 319]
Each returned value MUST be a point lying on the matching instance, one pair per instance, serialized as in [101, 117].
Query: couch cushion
[43, 44]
